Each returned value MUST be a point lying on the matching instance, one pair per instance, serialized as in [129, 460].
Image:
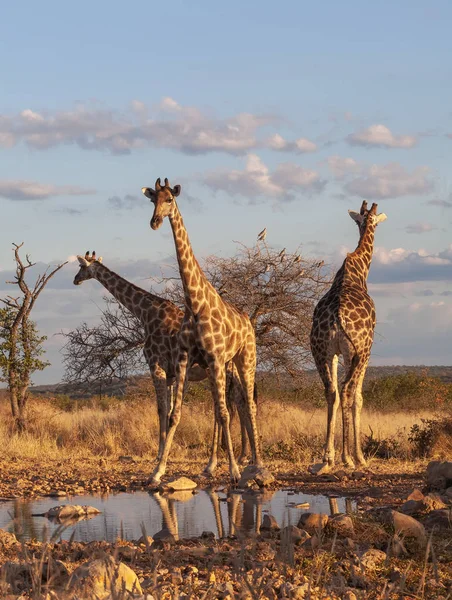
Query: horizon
[277, 117]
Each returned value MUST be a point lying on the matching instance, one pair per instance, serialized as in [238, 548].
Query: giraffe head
[86, 267]
[164, 201]
[366, 217]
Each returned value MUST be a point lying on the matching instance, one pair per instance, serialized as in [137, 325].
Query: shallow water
[186, 515]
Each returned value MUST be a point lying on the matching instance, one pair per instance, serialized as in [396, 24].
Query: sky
[279, 115]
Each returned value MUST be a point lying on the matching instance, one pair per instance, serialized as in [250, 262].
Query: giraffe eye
[169, 200]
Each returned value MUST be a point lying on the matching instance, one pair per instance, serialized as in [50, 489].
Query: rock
[294, 534]
[302, 505]
[407, 526]
[68, 511]
[128, 459]
[146, 540]
[319, 468]
[433, 502]
[439, 474]
[411, 507]
[102, 578]
[358, 475]
[423, 506]
[349, 595]
[343, 524]
[57, 493]
[439, 519]
[372, 558]
[207, 535]
[253, 474]
[7, 540]
[416, 494]
[313, 522]
[179, 484]
[16, 574]
[269, 523]
[164, 535]
[55, 572]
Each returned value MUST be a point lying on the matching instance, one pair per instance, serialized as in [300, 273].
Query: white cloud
[390, 181]
[403, 265]
[183, 128]
[419, 228]
[342, 167]
[300, 146]
[32, 190]
[381, 136]
[256, 180]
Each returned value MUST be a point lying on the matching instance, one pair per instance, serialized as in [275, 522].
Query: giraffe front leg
[160, 385]
[175, 417]
[217, 377]
[357, 406]
[246, 364]
[216, 442]
[346, 402]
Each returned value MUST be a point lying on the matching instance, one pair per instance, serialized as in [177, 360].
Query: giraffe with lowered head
[221, 332]
[343, 324]
[161, 320]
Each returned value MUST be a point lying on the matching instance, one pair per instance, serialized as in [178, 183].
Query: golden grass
[130, 427]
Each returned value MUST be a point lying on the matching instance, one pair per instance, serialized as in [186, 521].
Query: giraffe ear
[99, 259]
[82, 261]
[148, 192]
[380, 218]
[356, 216]
[176, 190]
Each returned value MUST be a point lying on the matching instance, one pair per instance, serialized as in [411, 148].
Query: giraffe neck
[355, 268]
[195, 283]
[135, 299]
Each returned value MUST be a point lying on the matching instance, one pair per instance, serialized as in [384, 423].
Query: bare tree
[21, 345]
[278, 289]
[111, 349]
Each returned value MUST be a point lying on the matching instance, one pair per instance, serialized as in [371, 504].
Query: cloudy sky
[281, 115]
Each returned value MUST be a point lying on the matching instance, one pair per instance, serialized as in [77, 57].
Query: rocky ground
[397, 545]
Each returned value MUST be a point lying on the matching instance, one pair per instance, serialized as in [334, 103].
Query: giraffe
[161, 321]
[222, 334]
[343, 323]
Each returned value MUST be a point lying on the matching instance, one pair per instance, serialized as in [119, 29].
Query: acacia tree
[278, 289]
[111, 349]
[20, 342]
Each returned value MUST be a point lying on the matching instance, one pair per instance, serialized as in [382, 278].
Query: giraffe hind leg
[357, 406]
[350, 412]
[327, 369]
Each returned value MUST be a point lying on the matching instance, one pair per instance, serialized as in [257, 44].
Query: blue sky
[281, 115]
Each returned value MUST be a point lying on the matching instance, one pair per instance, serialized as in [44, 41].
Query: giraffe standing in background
[161, 321]
[221, 333]
[343, 323]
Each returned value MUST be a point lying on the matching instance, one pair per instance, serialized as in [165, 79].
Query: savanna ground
[104, 444]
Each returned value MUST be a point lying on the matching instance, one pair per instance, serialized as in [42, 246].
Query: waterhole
[127, 515]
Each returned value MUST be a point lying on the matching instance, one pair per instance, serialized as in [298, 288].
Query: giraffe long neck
[129, 295]
[355, 268]
[193, 278]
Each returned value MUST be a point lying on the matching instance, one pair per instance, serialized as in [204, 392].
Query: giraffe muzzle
[156, 222]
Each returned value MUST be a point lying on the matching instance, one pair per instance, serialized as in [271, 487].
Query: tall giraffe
[222, 333]
[161, 321]
[344, 323]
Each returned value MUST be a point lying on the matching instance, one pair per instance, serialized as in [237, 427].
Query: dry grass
[130, 427]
